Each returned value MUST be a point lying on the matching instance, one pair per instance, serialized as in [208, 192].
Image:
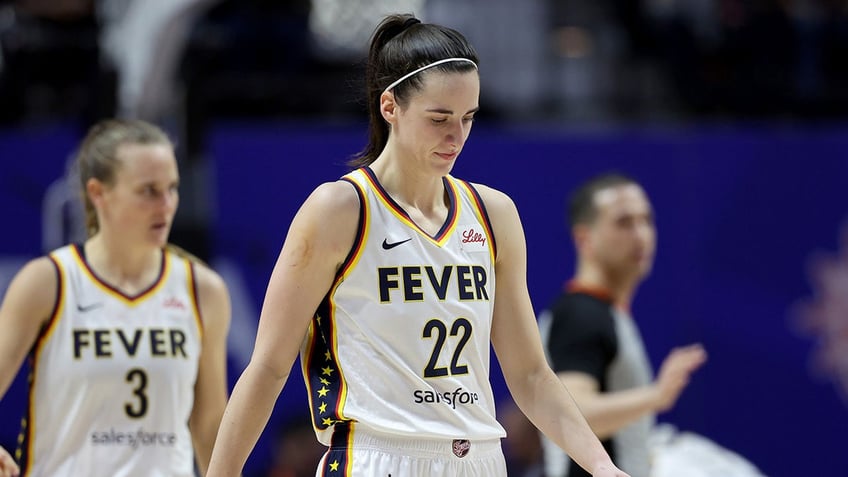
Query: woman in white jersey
[386, 286]
[125, 336]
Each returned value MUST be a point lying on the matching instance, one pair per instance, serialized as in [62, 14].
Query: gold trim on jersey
[349, 453]
[447, 229]
[59, 307]
[192, 292]
[481, 216]
[111, 290]
[322, 341]
[43, 337]
[362, 236]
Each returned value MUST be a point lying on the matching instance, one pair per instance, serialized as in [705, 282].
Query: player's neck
[411, 188]
[128, 269]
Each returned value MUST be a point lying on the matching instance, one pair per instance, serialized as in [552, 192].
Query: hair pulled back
[97, 157]
[401, 44]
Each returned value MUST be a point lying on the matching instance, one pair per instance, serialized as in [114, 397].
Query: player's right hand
[8, 467]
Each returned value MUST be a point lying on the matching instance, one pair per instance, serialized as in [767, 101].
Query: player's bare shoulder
[496, 202]
[208, 280]
[212, 294]
[329, 217]
[31, 297]
[338, 198]
[38, 283]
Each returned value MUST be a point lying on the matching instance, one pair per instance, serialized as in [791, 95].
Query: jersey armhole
[58, 301]
[484, 215]
[191, 274]
[361, 229]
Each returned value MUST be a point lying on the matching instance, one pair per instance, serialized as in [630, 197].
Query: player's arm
[319, 238]
[515, 337]
[27, 306]
[8, 467]
[210, 390]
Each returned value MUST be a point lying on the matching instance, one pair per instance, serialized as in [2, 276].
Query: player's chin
[645, 269]
[444, 167]
[158, 236]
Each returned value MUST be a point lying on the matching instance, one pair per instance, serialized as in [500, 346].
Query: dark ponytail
[399, 45]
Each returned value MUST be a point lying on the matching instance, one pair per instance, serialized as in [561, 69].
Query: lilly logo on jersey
[473, 240]
[174, 303]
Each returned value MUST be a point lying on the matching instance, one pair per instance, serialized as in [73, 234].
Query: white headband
[414, 72]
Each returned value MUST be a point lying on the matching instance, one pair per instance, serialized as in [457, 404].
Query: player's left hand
[8, 467]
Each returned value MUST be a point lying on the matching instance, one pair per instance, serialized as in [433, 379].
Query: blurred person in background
[125, 334]
[145, 40]
[591, 338]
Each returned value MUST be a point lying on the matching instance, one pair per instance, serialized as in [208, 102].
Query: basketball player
[126, 337]
[392, 283]
[594, 343]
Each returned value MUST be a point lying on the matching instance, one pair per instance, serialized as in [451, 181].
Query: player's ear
[580, 235]
[95, 189]
[388, 107]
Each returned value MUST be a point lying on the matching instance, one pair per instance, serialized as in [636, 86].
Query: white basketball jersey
[401, 343]
[112, 383]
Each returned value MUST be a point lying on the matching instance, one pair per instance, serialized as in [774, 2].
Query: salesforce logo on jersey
[134, 439]
[453, 398]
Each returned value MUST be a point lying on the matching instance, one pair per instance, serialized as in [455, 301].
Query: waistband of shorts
[424, 447]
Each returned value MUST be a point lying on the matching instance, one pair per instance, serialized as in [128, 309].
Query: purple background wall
[740, 213]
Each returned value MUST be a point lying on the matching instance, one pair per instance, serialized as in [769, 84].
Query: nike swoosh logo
[389, 246]
[90, 307]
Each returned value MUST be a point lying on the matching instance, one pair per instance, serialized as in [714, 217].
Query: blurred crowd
[189, 61]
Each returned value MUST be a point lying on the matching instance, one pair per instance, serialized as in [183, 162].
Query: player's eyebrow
[448, 111]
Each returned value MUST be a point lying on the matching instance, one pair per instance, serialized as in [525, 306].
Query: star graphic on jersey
[322, 408]
[318, 319]
[327, 421]
[334, 466]
[327, 356]
[323, 392]
[328, 371]
[324, 381]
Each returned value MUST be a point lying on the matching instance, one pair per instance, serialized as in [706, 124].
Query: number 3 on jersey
[138, 380]
[462, 328]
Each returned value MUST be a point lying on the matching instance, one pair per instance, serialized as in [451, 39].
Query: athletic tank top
[112, 376]
[401, 342]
